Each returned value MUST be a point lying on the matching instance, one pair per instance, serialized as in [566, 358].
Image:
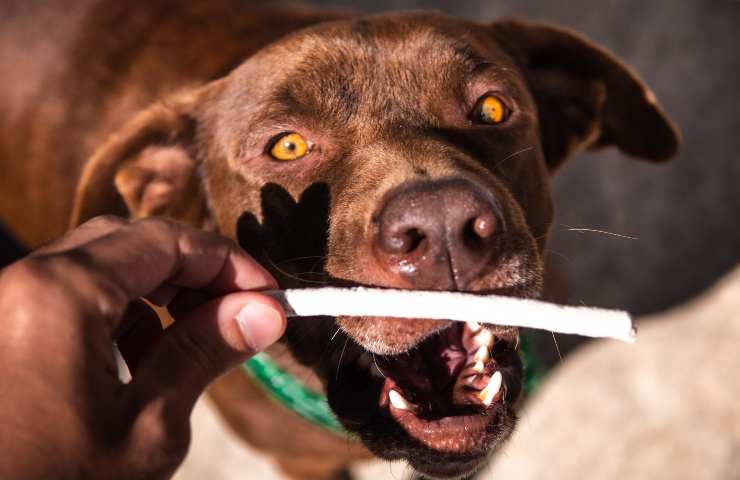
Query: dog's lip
[449, 434]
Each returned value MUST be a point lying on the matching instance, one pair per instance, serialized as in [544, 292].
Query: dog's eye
[289, 146]
[491, 109]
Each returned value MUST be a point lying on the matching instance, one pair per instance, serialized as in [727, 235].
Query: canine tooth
[484, 337]
[481, 355]
[479, 367]
[494, 384]
[399, 402]
[474, 326]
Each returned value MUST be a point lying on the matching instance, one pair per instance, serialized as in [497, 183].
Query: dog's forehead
[415, 38]
[392, 67]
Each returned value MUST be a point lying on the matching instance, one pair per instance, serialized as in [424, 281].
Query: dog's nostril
[483, 225]
[405, 242]
[477, 230]
[438, 234]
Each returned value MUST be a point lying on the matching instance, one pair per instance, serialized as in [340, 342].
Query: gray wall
[686, 215]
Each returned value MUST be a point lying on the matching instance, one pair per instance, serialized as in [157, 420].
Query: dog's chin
[442, 405]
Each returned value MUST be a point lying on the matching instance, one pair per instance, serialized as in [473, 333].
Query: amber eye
[290, 146]
[491, 109]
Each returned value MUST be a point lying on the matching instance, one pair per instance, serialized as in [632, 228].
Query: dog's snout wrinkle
[437, 234]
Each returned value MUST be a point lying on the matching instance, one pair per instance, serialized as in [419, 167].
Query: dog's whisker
[557, 347]
[339, 363]
[407, 470]
[318, 257]
[376, 366]
[305, 330]
[329, 348]
[558, 254]
[309, 272]
[288, 274]
[335, 335]
[321, 262]
[595, 230]
[390, 470]
[508, 157]
[307, 257]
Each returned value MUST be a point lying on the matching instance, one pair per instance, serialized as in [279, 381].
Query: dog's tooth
[471, 379]
[484, 337]
[479, 367]
[399, 402]
[474, 326]
[481, 355]
[494, 385]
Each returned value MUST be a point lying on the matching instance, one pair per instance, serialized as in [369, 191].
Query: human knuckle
[30, 274]
[107, 222]
[157, 426]
[158, 224]
[159, 442]
[159, 229]
[20, 286]
[80, 281]
[56, 278]
[74, 267]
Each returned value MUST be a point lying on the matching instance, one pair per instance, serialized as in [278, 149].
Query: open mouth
[450, 392]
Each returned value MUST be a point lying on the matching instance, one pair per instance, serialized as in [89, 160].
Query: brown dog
[408, 150]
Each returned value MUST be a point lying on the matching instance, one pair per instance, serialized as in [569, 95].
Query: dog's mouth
[442, 406]
[447, 392]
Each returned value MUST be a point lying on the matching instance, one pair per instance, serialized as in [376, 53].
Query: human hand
[64, 413]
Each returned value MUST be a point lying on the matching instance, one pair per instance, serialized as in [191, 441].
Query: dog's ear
[149, 167]
[586, 97]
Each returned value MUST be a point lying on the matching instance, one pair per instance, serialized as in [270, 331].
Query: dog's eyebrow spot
[487, 68]
[340, 98]
[467, 56]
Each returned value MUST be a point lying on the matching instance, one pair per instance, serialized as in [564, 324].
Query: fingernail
[260, 325]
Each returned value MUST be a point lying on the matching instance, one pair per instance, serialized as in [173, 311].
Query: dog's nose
[437, 234]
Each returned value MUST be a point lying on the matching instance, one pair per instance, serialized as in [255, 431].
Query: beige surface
[217, 454]
[665, 408]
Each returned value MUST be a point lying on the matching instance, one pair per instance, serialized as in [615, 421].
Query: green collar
[534, 371]
[293, 394]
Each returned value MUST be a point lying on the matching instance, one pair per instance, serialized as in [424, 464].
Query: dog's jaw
[437, 370]
[443, 406]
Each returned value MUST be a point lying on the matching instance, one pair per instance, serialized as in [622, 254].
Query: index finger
[137, 258]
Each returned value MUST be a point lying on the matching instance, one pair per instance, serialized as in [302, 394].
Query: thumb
[204, 343]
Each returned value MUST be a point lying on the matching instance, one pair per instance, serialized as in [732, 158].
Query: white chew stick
[493, 309]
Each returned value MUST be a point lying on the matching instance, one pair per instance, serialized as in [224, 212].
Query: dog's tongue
[432, 366]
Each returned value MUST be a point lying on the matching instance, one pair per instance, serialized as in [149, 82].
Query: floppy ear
[586, 97]
[148, 167]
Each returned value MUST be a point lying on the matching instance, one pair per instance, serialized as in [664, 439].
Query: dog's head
[408, 150]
